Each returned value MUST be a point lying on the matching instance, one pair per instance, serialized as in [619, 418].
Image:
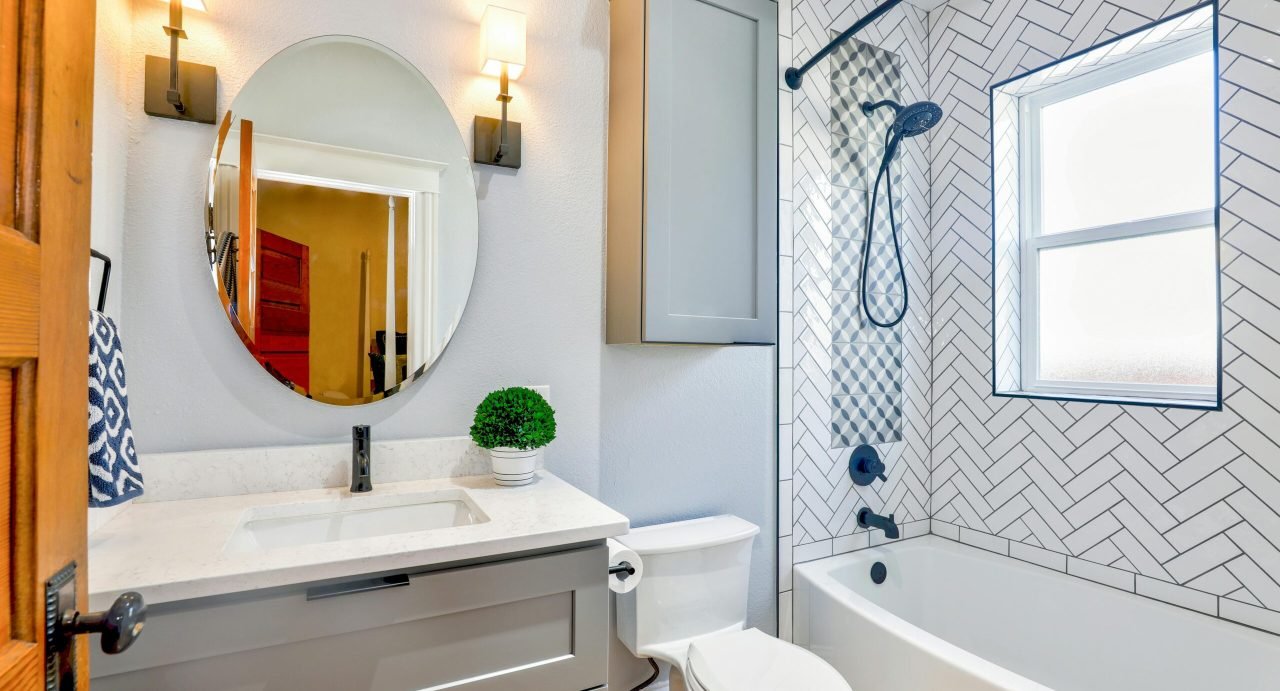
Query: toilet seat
[751, 660]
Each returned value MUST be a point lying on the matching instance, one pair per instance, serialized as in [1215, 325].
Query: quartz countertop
[175, 550]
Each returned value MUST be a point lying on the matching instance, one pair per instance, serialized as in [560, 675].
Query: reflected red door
[283, 330]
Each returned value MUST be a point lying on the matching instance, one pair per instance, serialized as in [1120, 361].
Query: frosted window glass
[1140, 148]
[1137, 311]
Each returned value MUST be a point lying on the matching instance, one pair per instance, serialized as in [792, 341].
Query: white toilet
[690, 608]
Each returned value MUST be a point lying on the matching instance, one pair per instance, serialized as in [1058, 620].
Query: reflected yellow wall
[337, 226]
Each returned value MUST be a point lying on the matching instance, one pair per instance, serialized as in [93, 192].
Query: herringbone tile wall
[1173, 504]
[817, 501]
[1139, 498]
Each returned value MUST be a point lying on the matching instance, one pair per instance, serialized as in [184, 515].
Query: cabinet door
[711, 172]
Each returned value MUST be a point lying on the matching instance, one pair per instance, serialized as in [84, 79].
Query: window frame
[1031, 240]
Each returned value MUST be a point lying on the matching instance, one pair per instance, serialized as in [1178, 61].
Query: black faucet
[361, 459]
[869, 519]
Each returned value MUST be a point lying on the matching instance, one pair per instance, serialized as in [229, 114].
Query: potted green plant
[513, 424]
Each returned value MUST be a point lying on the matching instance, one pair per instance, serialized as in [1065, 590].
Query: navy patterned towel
[114, 475]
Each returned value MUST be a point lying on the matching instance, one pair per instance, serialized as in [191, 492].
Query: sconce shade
[192, 5]
[502, 32]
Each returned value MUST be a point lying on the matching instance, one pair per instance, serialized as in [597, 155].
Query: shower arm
[795, 75]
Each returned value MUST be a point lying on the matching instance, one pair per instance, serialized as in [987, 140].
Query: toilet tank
[694, 582]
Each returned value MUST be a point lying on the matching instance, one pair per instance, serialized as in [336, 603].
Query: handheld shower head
[908, 121]
[916, 118]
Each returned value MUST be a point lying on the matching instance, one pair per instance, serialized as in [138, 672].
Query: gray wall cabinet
[693, 172]
[538, 623]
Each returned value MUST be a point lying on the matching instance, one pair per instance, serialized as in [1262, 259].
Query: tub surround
[1182, 502]
[174, 550]
[1177, 505]
[821, 225]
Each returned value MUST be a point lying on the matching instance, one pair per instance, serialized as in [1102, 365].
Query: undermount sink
[353, 518]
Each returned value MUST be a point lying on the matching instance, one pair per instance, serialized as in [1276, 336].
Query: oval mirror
[341, 222]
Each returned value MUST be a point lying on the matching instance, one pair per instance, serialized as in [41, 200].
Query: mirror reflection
[341, 220]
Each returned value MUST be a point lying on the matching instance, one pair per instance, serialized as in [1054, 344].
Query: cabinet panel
[693, 172]
[534, 623]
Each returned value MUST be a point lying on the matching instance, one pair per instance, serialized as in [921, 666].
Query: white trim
[390, 361]
[332, 183]
[357, 166]
[1128, 229]
[1127, 67]
[1143, 392]
[1032, 240]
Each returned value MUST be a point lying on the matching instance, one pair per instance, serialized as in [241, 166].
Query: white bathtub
[954, 618]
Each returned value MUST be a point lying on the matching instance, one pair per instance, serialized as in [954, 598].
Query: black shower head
[916, 118]
[908, 121]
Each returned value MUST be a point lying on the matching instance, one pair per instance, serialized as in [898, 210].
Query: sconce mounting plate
[199, 87]
[486, 133]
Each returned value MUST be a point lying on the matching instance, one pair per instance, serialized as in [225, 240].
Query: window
[1106, 268]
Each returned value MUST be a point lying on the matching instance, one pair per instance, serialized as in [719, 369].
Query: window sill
[1115, 400]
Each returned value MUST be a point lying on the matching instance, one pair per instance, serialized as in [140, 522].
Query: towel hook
[106, 278]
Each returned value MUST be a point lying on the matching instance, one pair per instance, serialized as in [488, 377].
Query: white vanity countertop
[174, 550]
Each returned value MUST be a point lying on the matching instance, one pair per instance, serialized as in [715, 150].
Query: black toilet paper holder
[622, 570]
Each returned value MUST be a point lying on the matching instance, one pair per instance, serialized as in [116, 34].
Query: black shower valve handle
[874, 466]
[865, 466]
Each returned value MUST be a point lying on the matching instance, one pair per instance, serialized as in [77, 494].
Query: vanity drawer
[538, 622]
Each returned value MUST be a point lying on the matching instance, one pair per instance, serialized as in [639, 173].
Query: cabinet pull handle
[321, 592]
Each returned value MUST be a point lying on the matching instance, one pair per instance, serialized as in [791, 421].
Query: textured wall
[1142, 499]
[817, 503]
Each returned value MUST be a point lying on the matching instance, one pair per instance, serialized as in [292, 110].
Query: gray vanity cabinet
[538, 623]
[693, 172]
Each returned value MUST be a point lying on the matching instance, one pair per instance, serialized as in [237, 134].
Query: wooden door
[284, 307]
[46, 116]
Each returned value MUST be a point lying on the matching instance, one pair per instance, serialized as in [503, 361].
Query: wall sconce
[497, 142]
[176, 89]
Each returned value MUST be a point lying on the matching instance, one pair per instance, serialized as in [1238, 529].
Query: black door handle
[120, 625]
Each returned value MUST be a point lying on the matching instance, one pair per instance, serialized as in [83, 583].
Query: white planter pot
[513, 467]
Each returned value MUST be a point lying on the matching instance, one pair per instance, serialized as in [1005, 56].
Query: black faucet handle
[865, 466]
[878, 471]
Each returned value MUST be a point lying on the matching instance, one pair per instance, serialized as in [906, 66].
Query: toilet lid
[754, 661]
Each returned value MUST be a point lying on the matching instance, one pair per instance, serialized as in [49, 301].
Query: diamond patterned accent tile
[849, 325]
[848, 213]
[850, 162]
[846, 267]
[863, 72]
[857, 62]
[859, 369]
[871, 419]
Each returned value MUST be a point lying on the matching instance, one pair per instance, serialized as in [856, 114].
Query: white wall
[110, 145]
[660, 433]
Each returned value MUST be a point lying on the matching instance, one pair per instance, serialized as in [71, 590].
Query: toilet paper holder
[622, 569]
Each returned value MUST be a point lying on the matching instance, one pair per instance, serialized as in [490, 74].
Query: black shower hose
[891, 145]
